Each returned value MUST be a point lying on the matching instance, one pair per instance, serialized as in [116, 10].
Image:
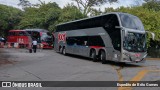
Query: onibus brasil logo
[21, 84]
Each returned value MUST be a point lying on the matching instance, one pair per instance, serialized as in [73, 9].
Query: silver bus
[113, 36]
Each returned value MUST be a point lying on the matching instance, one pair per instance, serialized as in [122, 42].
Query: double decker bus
[113, 36]
[19, 36]
[42, 36]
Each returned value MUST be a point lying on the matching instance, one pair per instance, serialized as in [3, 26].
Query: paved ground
[47, 65]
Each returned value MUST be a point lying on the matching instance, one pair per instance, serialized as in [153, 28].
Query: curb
[152, 58]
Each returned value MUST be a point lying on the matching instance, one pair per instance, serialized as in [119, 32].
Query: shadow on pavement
[113, 63]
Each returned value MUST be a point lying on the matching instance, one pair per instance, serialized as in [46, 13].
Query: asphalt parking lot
[47, 65]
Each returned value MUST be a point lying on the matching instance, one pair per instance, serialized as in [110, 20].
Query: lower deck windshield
[46, 38]
[135, 42]
[35, 35]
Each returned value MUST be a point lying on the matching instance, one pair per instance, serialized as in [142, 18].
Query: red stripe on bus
[96, 46]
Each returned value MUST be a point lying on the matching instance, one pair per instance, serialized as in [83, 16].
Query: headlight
[126, 54]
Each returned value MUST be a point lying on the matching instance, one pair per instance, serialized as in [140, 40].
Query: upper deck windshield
[131, 22]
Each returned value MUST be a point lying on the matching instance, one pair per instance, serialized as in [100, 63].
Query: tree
[149, 18]
[30, 19]
[152, 5]
[151, 0]
[40, 17]
[95, 12]
[70, 13]
[24, 3]
[86, 5]
[109, 9]
[47, 16]
[9, 18]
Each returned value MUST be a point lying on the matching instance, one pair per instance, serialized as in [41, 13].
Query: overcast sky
[62, 3]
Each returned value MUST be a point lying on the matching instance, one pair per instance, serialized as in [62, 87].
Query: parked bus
[42, 36]
[114, 36]
[18, 36]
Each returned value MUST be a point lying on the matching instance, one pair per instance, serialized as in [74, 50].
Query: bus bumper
[133, 58]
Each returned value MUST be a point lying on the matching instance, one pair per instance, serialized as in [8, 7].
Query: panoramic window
[131, 22]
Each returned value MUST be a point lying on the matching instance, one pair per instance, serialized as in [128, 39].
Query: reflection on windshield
[46, 38]
[131, 22]
[135, 42]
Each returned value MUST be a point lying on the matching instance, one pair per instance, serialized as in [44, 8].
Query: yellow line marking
[140, 75]
[120, 77]
[137, 78]
[125, 88]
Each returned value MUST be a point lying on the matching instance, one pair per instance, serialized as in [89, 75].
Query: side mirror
[153, 34]
[125, 33]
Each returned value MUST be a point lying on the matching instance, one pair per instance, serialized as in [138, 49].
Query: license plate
[138, 60]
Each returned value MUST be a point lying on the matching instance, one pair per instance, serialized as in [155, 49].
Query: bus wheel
[103, 57]
[64, 51]
[93, 56]
[61, 50]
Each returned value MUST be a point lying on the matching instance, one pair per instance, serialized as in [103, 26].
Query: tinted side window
[71, 40]
[82, 40]
[22, 34]
[85, 41]
[95, 41]
[11, 34]
[116, 39]
[110, 21]
[29, 32]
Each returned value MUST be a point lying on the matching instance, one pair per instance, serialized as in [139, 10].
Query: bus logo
[20, 40]
[62, 37]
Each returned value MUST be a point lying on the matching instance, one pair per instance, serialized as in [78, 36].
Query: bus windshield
[46, 38]
[132, 22]
[135, 42]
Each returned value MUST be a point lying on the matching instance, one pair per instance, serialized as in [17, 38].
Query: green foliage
[41, 17]
[47, 16]
[86, 6]
[9, 18]
[95, 12]
[152, 5]
[24, 3]
[149, 17]
[70, 13]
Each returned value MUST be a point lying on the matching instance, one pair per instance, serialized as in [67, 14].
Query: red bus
[18, 36]
[43, 37]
